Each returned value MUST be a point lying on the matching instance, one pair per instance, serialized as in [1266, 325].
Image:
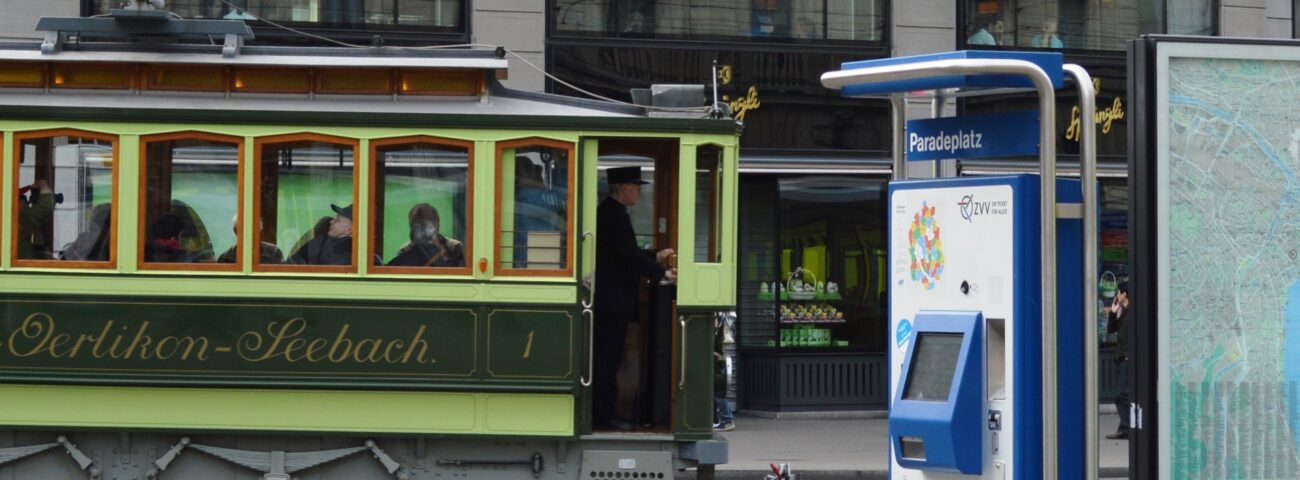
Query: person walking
[1117, 323]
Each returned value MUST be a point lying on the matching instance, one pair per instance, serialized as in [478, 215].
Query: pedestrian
[1117, 323]
[723, 419]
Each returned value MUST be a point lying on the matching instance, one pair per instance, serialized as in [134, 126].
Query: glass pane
[66, 213]
[348, 13]
[708, 196]
[191, 198]
[1057, 24]
[757, 261]
[832, 281]
[643, 211]
[534, 208]
[857, 20]
[422, 214]
[307, 202]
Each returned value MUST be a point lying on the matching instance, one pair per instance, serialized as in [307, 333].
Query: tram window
[305, 202]
[65, 210]
[536, 207]
[422, 194]
[708, 197]
[191, 194]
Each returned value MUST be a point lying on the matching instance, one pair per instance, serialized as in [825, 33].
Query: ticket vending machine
[966, 332]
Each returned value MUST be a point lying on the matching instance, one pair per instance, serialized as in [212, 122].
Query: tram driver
[620, 266]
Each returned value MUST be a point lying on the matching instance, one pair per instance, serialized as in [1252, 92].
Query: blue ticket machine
[966, 331]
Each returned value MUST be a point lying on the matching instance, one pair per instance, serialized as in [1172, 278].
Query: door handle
[590, 301]
[681, 382]
[591, 346]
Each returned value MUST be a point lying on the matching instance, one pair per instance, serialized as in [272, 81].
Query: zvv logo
[971, 208]
[967, 204]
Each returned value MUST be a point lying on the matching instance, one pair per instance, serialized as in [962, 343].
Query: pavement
[855, 447]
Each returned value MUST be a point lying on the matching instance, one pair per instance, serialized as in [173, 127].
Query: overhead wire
[598, 97]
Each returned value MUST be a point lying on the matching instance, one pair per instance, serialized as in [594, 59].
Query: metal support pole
[898, 111]
[1047, 158]
[1047, 170]
[1088, 179]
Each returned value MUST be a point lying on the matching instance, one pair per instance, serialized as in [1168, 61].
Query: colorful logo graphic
[925, 248]
[903, 332]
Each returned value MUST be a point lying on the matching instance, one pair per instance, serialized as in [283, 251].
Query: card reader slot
[912, 448]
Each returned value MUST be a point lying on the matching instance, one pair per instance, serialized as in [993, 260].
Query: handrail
[1088, 181]
[591, 347]
[681, 382]
[587, 304]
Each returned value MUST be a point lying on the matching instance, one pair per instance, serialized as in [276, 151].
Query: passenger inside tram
[428, 247]
[333, 245]
[164, 241]
[268, 253]
[93, 243]
[32, 218]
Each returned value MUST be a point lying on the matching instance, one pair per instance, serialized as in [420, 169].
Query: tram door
[645, 374]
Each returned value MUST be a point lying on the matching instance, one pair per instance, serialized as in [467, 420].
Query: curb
[1104, 472]
[1103, 409]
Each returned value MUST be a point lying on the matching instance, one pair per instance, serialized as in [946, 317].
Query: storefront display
[811, 293]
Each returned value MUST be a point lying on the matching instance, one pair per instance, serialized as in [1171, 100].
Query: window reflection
[306, 201]
[191, 194]
[346, 13]
[535, 207]
[64, 210]
[856, 20]
[421, 203]
[1085, 25]
[708, 196]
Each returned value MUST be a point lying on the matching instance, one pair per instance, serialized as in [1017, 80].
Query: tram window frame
[259, 144]
[373, 204]
[570, 208]
[715, 175]
[18, 139]
[143, 199]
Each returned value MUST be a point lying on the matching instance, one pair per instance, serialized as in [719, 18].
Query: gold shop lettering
[741, 106]
[1104, 117]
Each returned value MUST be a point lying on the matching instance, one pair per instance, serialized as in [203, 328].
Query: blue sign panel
[973, 136]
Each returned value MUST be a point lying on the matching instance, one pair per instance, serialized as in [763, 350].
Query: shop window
[813, 263]
[803, 20]
[368, 14]
[708, 196]
[190, 203]
[1085, 25]
[535, 202]
[67, 189]
[423, 195]
[305, 203]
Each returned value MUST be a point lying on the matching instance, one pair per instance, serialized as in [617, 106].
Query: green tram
[159, 319]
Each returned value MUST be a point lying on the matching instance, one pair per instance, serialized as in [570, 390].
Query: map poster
[1226, 242]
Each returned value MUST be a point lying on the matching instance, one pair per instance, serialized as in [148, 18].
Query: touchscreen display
[934, 363]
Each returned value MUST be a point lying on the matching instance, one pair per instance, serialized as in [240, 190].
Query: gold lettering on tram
[37, 336]
[289, 341]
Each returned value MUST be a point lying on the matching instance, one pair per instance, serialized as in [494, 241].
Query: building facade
[814, 165]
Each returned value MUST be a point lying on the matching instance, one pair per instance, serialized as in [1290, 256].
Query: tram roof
[172, 53]
[496, 106]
